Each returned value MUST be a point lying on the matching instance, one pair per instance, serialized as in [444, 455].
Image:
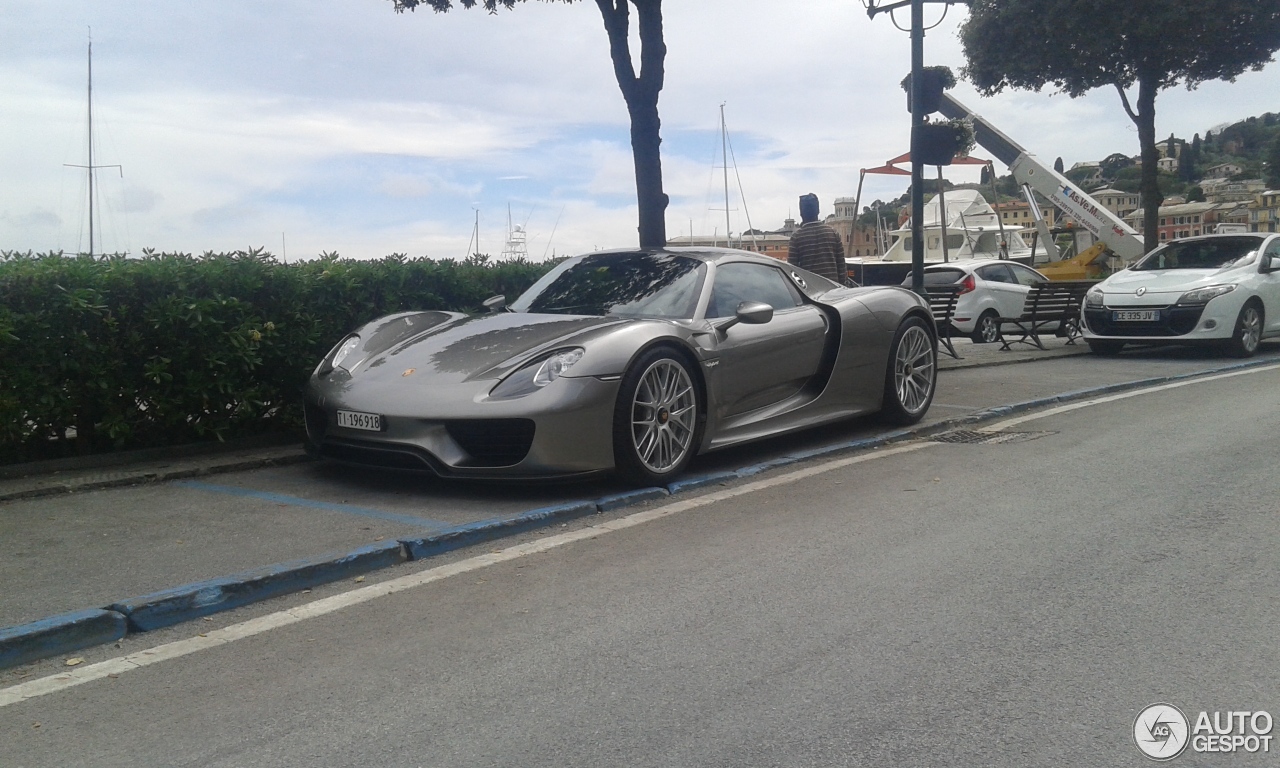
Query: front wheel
[986, 330]
[912, 377]
[1248, 331]
[656, 420]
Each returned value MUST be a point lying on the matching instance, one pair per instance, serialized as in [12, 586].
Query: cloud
[134, 199]
[35, 219]
[349, 127]
[403, 185]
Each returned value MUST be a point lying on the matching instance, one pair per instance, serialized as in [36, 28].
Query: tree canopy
[1079, 45]
[639, 90]
[1272, 164]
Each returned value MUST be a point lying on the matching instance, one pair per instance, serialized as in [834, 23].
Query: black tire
[986, 330]
[911, 378]
[1069, 329]
[1248, 331]
[1105, 348]
[657, 423]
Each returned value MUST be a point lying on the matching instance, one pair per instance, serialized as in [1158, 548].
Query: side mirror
[1271, 263]
[754, 313]
[748, 313]
[495, 303]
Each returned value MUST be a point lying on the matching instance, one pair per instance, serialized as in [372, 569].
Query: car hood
[483, 347]
[1162, 281]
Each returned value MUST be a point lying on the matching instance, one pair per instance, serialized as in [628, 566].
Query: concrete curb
[627, 498]
[487, 530]
[83, 629]
[191, 601]
[59, 634]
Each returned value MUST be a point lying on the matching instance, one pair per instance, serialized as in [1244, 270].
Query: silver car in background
[632, 361]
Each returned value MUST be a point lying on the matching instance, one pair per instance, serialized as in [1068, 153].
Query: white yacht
[972, 231]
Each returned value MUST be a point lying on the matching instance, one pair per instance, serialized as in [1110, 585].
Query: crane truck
[1115, 238]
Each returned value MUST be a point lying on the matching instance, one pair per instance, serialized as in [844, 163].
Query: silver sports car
[631, 361]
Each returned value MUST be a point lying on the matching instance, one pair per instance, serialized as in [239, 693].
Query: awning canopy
[959, 160]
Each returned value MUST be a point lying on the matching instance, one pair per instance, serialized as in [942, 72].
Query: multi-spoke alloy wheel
[1244, 342]
[913, 373]
[660, 405]
[987, 330]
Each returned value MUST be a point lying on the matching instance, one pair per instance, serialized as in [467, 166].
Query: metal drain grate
[974, 437]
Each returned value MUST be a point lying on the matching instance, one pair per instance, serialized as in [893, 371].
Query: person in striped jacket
[815, 246]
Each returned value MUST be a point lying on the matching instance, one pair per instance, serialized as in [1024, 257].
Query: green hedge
[112, 353]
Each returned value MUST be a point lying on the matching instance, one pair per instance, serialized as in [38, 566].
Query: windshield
[1214, 253]
[624, 284]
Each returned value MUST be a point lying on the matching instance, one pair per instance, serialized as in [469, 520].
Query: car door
[760, 365]
[1004, 289]
[1269, 287]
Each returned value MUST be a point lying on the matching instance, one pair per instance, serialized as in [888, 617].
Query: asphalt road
[944, 605]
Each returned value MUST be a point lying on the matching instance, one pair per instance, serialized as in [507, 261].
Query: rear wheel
[912, 377]
[656, 419]
[1105, 348]
[986, 330]
[1248, 331]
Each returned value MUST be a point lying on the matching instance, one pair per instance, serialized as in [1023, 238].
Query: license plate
[371, 422]
[1136, 315]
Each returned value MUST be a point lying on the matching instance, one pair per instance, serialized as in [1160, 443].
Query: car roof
[701, 253]
[1221, 236]
[969, 264]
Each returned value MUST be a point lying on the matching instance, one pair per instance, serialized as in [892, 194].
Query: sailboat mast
[91, 147]
[724, 155]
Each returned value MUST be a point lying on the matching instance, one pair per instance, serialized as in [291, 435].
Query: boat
[970, 229]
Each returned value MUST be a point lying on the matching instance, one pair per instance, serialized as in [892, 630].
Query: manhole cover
[974, 437]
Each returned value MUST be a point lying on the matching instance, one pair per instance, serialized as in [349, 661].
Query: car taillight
[967, 284]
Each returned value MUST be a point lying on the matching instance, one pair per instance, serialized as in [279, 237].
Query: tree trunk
[651, 199]
[641, 95]
[1151, 196]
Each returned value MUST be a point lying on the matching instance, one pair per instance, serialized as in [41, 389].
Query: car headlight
[538, 373]
[344, 351]
[1093, 298]
[1204, 295]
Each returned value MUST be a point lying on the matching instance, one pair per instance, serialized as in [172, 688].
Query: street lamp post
[917, 120]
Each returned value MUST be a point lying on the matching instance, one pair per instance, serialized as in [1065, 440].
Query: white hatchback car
[1217, 289]
[989, 288]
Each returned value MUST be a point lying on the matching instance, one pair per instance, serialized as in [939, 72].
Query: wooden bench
[1052, 305]
[942, 303]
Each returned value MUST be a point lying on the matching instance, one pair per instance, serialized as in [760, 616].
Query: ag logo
[1141, 291]
[1161, 731]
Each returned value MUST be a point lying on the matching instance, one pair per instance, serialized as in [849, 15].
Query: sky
[339, 126]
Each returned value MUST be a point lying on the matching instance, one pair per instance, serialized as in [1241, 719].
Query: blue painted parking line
[295, 501]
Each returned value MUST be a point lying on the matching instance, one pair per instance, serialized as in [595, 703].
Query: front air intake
[493, 442]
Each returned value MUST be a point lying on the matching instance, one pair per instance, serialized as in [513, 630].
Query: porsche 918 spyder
[632, 361]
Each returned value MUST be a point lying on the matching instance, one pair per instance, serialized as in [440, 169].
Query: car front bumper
[1212, 322]
[562, 430]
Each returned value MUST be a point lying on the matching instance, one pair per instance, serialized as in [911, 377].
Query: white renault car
[1218, 289]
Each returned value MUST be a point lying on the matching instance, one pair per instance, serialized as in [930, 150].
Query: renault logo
[1140, 291]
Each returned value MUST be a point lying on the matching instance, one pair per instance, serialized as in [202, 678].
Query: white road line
[119, 666]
